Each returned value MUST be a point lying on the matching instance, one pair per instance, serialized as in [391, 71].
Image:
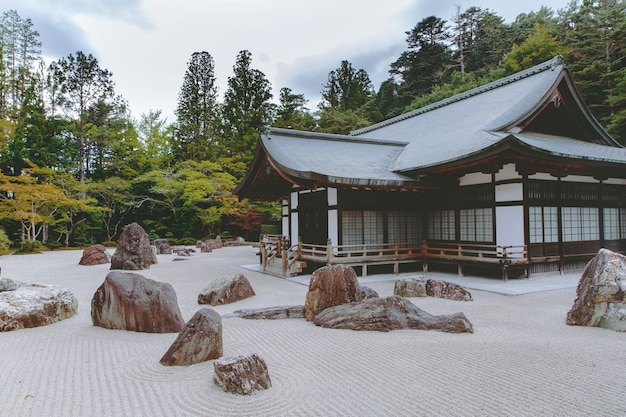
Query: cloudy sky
[146, 44]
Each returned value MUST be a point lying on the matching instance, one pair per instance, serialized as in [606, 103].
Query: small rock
[226, 290]
[367, 292]
[448, 290]
[272, 313]
[162, 247]
[7, 284]
[410, 287]
[95, 255]
[242, 374]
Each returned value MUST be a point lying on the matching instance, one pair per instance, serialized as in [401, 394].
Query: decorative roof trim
[548, 65]
[269, 131]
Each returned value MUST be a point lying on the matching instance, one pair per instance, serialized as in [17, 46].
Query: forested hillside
[75, 165]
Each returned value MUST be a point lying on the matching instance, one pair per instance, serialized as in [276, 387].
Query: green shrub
[111, 244]
[31, 246]
[187, 241]
[53, 244]
[270, 229]
[5, 242]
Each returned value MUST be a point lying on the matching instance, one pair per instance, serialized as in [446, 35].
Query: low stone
[601, 293]
[272, 313]
[448, 290]
[35, 305]
[134, 251]
[242, 374]
[95, 255]
[129, 301]
[182, 251]
[389, 313]
[7, 284]
[367, 292]
[329, 286]
[410, 287]
[199, 341]
[162, 247]
[226, 290]
[205, 248]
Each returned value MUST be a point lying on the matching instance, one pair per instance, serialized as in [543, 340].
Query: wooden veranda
[278, 255]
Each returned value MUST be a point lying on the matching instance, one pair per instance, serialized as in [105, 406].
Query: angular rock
[601, 293]
[7, 284]
[410, 287]
[329, 286]
[226, 290]
[162, 247]
[182, 251]
[35, 305]
[367, 292]
[272, 313]
[134, 251]
[449, 290]
[389, 313]
[205, 248]
[242, 374]
[95, 255]
[199, 341]
[129, 301]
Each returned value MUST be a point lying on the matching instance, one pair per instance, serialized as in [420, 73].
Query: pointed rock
[199, 341]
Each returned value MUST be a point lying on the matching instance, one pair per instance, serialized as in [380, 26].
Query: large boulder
[601, 293]
[226, 290]
[389, 313]
[35, 305]
[129, 301]
[199, 341]
[95, 255]
[329, 286]
[134, 251]
[242, 374]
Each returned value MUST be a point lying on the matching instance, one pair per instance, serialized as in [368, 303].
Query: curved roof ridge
[548, 65]
[268, 131]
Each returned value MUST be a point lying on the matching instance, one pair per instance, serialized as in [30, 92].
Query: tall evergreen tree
[292, 112]
[247, 107]
[195, 136]
[80, 83]
[425, 62]
[346, 88]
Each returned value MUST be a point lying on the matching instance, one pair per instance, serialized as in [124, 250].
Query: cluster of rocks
[209, 245]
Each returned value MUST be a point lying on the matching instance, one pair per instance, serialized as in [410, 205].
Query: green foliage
[5, 242]
[342, 121]
[31, 246]
[539, 47]
[346, 88]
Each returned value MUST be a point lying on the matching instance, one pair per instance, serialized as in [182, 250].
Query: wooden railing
[395, 254]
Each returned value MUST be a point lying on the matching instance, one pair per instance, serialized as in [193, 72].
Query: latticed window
[361, 227]
[476, 225]
[441, 225]
[404, 226]
[614, 223]
[580, 223]
[543, 224]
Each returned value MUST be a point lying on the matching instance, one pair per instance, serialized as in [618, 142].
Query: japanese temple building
[515, 173]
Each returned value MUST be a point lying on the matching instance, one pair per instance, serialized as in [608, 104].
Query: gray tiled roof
[443, 132]
[335, 157]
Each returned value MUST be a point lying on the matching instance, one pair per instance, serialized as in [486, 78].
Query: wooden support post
[460, 270]
[285, 258]
[329, 251]
[263, 257]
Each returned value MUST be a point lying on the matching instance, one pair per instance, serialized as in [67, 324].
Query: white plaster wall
[542, 176]
[507, 172]
[333, 227]
[578, 178]
[510, 226]
[294, 200]
[285, 226]
[332, 197]
[509, 192]
[295, 234]
[475, 178]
